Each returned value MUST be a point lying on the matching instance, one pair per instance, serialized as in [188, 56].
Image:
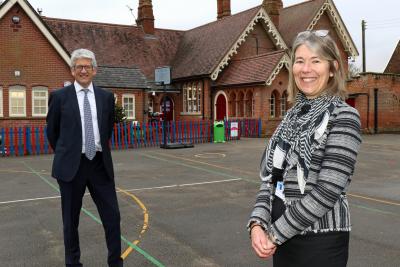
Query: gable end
[271, 30]
[344, 35]
[39, 24]
[285, 61]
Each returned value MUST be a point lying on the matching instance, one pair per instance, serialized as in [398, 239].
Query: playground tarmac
[188, 207]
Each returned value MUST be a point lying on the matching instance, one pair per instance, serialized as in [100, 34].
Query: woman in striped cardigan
[301, 216]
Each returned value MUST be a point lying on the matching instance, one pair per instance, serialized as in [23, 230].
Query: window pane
[17, 101]
[39, 101]
[272, 106]
[129, 106]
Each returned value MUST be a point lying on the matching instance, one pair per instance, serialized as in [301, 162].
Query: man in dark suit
[79, 126]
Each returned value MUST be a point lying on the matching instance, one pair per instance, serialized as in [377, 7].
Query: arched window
[273, 104]
[249, 109]
[233, 105]
[240, 105]
[284, 104]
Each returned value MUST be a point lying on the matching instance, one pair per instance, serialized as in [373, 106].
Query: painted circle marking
[210, 155]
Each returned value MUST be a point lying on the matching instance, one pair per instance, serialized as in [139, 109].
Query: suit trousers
[91, 174]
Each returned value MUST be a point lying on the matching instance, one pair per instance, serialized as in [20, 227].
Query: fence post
[28, 147]
[46, 141]
[2, 144]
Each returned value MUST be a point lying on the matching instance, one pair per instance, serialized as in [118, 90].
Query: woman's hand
[263, 247]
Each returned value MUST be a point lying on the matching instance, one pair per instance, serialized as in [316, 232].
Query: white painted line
[152, 188]
[28, 199]
[182, 185]
[130, 190]
[213, 182]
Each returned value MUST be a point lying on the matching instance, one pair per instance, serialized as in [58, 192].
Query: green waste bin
[219, 132]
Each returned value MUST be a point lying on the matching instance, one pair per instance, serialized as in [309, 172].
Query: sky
[382, 18]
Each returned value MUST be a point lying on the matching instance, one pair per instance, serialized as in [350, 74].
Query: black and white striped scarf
[302, 130]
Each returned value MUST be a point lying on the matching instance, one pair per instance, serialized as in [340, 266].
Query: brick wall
[139, 100]
[26, 49]
[387, 99]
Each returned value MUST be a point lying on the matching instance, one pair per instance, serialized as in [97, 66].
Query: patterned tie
[90, 147]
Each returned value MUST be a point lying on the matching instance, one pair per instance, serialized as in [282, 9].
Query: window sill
[18, 116]
[190, 113]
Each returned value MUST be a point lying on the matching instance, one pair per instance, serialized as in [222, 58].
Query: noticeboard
[163, 75]
[234, 129]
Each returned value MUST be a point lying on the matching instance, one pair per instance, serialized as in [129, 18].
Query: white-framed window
[272, 106]
[17, 101]
[283, 105]
[40, 97]
[1, 101]
[115, 98]
[128, 103]
[192, 97]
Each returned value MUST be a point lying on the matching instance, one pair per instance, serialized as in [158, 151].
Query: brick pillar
[145, 16]
[273, 8]
[224, 8]
[207, 101]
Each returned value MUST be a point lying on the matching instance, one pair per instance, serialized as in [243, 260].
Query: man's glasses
[81, 67]
[319, 33]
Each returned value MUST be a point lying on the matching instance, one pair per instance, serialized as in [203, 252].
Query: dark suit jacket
[64, 130]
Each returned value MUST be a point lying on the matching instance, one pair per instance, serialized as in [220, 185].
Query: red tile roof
[255, 69]
[202, 48]
[196, 52]
[118, 45]
[296, 18]
[393, 65]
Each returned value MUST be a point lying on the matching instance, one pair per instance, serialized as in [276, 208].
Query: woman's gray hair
[324, 46]
[82, 53]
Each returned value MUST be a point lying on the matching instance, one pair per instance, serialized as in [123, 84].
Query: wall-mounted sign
[163, 75]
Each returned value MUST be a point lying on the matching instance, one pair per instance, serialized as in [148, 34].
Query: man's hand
[263, 247]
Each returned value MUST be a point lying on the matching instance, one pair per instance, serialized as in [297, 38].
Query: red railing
[20, 141]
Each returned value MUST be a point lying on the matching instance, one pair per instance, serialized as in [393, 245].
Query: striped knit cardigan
[323, 207]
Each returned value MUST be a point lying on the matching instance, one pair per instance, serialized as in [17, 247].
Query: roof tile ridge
[300, 3]
[103, 23]
[87, 22]
[224, 18]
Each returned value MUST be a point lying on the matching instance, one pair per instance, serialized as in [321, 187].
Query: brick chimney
[273, 8]
[224, 8]
[145, 16]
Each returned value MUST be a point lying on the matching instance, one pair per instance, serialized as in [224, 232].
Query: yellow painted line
[204, 163]
[145, 222]
[226, 168]
[375, 199]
